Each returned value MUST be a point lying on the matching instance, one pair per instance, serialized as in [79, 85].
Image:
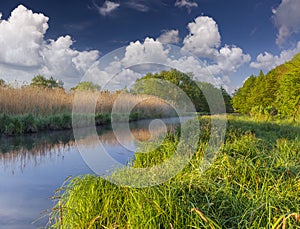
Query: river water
[32, 167]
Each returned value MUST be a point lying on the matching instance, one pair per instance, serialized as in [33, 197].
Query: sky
[231, 39]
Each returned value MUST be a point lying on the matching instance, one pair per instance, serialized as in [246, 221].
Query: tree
[41, 81]
[289, 93]
[86, 86]
[277, 92]
[227, 100]
[196, 91]
[171, 85]
[2, 83]
[52, 83]
[243, 100]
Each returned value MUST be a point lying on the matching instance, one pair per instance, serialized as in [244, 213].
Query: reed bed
[32, 109]
[46, 102]
[34, 100]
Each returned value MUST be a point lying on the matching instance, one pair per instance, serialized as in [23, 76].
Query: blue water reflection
[34, 166]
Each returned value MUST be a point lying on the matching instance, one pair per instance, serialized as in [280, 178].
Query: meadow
[254, 182]
[32, 109]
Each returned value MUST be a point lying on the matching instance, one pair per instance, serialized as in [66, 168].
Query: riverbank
[253, 183]
[28, 123]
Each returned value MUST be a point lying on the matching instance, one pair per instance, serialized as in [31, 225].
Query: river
[34, 166]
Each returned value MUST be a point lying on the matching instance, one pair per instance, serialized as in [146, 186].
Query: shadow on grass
[268, 131]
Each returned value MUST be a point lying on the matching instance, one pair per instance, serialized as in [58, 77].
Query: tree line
[182, 83]
[275, 94]
[42, 81]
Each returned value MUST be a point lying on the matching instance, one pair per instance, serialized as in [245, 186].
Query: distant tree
[52, 83]
[269, 89]
[196, 91]
[227, 100]
[215, 98]
[2, 83]
[41, 81]
[208, 90]
[288, 100]
[178, 84]
[277, 92]
[243, 100]
[86, 86]
[258, 91]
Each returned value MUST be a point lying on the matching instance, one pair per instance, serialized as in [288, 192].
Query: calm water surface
[32, 167]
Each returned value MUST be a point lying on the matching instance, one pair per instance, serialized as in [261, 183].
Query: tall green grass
[253, 183]
[28, 123]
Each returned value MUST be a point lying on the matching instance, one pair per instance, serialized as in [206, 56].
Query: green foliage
[28, 123]
[178, 84]
[155, 84]
[227, 100]
[21, 124]
[2, 83]
[41, 81]
[276, 93]
[288, 98]
[242, 101]
[86, 86]
[253, 183]
[12, 125]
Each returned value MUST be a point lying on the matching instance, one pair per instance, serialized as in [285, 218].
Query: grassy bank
[22, 124]
[30, 109]
[253, 183]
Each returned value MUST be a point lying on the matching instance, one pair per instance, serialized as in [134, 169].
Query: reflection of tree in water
[18, 152]
[35, 149]
[142, 134]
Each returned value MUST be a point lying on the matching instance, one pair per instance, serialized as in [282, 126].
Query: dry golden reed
[37, 101]
[45, 101]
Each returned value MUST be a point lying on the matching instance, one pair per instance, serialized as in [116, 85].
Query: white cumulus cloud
[227, 60]
[204, 41]
[25, 53]
[204, 37]
[218, 66]
[267, 61]
[21, 37]
[61, 59]
[169, 37]
[230, 59]
[150, 51]
[287, 19]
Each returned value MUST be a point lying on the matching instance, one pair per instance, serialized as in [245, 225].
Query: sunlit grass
[253, 183]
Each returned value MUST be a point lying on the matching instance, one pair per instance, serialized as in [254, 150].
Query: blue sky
[63, 38]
